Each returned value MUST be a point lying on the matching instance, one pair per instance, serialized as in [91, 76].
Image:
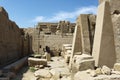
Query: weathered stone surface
[10, 46]
[98, 71]
[82, 21]
[114, 4]
[55, 74]
[43, 73]
[82, 75]
[93, 73]
[116, 24]
[61, 71]
[106, 70]
[83, 62]
[76, 44]
[16, 66]
[36, 61]
[104, 38]
[66, 78]
[84, 35]
[117, 67]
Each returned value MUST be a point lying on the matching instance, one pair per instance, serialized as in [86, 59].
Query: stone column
[103, 46]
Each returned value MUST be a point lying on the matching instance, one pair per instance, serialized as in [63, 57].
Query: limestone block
[76, 44]
[83, 62]
[103, 47]
[117, 67]
[93, 73]
[36, 61]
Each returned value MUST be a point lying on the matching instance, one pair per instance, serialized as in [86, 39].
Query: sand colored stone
[76, 44]
[36, 61]
[85, 36]
[104, 48]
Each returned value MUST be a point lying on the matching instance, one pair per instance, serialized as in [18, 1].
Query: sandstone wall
[10, 37]
[115, 14]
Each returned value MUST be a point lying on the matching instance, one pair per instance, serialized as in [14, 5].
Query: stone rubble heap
[104, 73]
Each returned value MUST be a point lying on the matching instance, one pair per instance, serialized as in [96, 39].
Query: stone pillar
[103, 46]
[82, 21]
[76, 44]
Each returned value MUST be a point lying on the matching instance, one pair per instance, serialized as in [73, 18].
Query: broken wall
[10, 37]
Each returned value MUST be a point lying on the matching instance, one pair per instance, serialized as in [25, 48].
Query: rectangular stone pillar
[85, 36]
[76, 44]
[103, 46]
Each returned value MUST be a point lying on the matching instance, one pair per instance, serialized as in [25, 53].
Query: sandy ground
[26, 74]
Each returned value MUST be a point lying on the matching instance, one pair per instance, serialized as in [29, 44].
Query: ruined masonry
[14, 43]
[104, 38]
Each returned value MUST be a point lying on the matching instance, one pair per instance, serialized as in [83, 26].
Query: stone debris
[106, 70]
[82, 75]
[82, 55]
[98, 71]
[55, 74]
[117, 67]
[43, 73]
[37, 61]
[93, 73]
[83, 62]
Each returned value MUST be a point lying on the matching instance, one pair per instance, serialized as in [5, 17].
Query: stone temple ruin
[86, 50]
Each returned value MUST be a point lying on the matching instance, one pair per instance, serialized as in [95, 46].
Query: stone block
[37, 61]
[117, 67]
[83, 62]
[104, 38]
[106, 70]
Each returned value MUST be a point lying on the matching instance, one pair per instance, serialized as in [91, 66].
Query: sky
[27, 13]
